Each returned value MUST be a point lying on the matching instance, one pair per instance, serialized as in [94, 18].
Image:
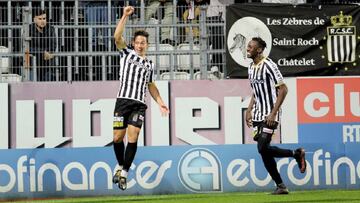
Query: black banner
[304, 40]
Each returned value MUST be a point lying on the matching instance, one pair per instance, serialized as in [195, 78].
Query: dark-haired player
[263, 113]
[136, 75]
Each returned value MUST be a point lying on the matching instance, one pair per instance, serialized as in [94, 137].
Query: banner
[80, 114]
[68, 172]
[328, 109]
[303, 40]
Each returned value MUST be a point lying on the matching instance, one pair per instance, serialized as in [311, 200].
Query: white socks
[124, 173]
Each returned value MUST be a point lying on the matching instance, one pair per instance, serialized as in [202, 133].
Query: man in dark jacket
[42, 45]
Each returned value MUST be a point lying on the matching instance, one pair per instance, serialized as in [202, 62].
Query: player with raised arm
[136, 75]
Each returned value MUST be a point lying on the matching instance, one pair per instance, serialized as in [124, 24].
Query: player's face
[40, 21]
[252, 49]
[140, 45]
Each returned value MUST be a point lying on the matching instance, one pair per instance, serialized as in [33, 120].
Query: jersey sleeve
[152, 77]
[275, 74]
[125, 51]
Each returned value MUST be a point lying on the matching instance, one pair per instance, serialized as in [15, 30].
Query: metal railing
[85, 49]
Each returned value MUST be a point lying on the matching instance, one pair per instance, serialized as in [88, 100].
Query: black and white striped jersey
[135, 74]
[264, 78]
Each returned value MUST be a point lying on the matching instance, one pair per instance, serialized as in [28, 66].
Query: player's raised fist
[128, 10]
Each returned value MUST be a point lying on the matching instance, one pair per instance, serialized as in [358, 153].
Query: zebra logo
[241, 32]
[239, 42]
[341, 39]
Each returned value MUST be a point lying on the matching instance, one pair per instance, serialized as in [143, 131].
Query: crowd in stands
[62, 19]
[87, 27]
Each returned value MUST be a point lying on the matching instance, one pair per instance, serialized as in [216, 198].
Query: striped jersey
[264, 78]
[135, 73]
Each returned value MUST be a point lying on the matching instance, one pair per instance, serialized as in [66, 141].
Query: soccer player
[263, 112]
[136, 75]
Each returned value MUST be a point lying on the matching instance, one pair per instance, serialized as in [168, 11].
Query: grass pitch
[314, 196]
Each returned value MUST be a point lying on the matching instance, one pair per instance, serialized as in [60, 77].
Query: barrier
[68, 172]
[4, 61]
[316, 110]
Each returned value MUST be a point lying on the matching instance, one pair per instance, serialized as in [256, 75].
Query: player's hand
[248, 119]
[164, 110]
[128, 10]
[270, 119]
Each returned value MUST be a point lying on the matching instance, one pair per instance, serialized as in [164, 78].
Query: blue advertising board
[58, 172]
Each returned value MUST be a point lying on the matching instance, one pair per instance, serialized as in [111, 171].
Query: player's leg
[119, 130]
[119, 149]
[130, 152]
[280, 152]
[263, 138]
[269, 161]
[133, 134]
[135, 122]
[267, 131]
[299, 155]
[274, 151]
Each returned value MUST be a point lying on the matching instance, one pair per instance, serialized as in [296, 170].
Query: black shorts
[128, 112]
[262, 127]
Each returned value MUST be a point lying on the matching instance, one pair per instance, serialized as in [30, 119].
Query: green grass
[315, 196]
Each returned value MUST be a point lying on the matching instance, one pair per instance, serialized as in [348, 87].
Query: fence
[185, 43]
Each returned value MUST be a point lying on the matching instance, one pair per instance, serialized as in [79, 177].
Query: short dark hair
[38, 11]
[141, 33]
[261, 42]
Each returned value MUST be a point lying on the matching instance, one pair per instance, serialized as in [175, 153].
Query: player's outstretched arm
[118, 35]
[156, 96]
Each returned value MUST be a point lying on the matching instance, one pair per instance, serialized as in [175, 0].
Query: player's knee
[118, 137]
[263, 144]
[132, 137]
[133, 134]
[262, 149]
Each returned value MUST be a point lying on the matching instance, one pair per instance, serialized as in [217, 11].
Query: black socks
[130, 155]
[119, 149]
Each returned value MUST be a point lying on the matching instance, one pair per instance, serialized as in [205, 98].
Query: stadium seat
[177, 76]
[10, 78]
[4, 61]
[184, 60]
[213, 74]
[164, 60]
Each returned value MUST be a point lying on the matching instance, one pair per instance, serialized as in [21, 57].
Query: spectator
[192, 15]
[96, 13]
[155, 5]
[216, 14]
[42, 45]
